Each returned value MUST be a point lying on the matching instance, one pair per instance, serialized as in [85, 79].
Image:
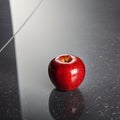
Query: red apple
[66, 72]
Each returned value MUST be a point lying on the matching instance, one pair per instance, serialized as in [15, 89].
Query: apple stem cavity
[66, 59]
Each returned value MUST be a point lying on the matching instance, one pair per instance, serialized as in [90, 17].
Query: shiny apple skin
[66, 76]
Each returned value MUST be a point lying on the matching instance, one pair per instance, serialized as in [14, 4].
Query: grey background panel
[20, 10]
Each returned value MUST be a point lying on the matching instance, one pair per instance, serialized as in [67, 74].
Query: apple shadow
[66, 105]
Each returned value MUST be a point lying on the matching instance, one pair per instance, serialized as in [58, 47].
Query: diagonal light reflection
[19, 29]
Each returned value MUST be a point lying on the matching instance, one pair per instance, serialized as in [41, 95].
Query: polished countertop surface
[34, 33]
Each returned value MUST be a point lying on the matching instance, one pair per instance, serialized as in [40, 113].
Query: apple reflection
[66, 105]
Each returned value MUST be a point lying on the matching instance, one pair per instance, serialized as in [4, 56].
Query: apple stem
[67, 58]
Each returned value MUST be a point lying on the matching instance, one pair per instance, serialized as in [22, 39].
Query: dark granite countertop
[89, 29]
